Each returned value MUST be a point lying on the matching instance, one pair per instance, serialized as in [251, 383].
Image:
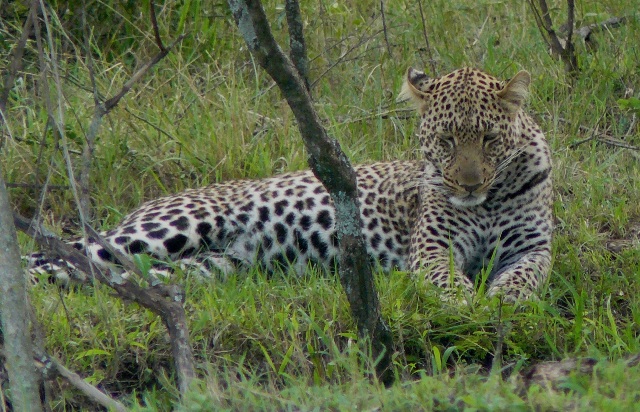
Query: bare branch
[165, 301]
[562, 48]
[332, 168]
[553, 39]
[154, 23]
[54, 367]
[343, 56]
[384, 28]
[112, 102]
[170, 310]
[571, 10]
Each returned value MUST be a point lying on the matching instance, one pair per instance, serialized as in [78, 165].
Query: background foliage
[207, 113]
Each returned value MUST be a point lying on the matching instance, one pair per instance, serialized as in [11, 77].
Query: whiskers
[432, 178]
[426, 180]
[506, 162]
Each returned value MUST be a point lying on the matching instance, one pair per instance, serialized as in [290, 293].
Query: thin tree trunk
[297, 44]
[333, 169]
[14, 313]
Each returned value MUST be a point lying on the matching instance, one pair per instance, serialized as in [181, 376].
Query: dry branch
[384, 28]
[343, 56]
[333, 169]
[165, 301]
[585, 31]
[51, 368]
[426, 39]
[170, 310]
[112, 102]
[561, 48]
[603, 137]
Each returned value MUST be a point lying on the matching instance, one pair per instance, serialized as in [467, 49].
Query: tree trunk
[332, 168]
[14, 313]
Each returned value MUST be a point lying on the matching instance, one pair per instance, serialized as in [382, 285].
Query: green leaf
[92, 352]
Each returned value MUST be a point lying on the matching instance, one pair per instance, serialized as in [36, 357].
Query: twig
[342, 57]
[603, 137]
[165, 301]
[432, 63]
[154, 23]
[585, 31]
[37, 186]
[384, 28]
[612, 141]
[112, 102]
[565, 52]
[402, 114]
[52, 367]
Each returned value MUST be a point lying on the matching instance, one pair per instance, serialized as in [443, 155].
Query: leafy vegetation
[208, 113]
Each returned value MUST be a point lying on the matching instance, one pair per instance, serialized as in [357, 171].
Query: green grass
[208, 113]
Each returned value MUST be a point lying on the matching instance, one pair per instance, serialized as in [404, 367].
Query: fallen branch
[585, 32]
[52, 368]
[165, 301]
[605, 138]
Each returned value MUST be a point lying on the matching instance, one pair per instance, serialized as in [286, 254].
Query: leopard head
[469, 127]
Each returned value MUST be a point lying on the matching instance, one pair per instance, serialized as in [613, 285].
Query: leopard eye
[490, 137]
[447, 139]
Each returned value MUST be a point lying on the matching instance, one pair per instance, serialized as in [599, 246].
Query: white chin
[468, 201]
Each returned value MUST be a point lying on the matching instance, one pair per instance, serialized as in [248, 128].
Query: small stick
[384, 28]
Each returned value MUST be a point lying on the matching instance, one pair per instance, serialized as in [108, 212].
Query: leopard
[475, 207]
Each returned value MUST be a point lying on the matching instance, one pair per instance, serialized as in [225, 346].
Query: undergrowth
[207, 113]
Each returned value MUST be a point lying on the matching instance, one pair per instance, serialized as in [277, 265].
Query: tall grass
[207, 113]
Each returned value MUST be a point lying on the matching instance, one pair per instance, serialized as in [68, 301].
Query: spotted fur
[479, 198]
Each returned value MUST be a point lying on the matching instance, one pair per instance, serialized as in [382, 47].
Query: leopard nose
[471, 188]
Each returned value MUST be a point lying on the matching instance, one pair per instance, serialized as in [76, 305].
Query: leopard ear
[415, 88]
[516, 91]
